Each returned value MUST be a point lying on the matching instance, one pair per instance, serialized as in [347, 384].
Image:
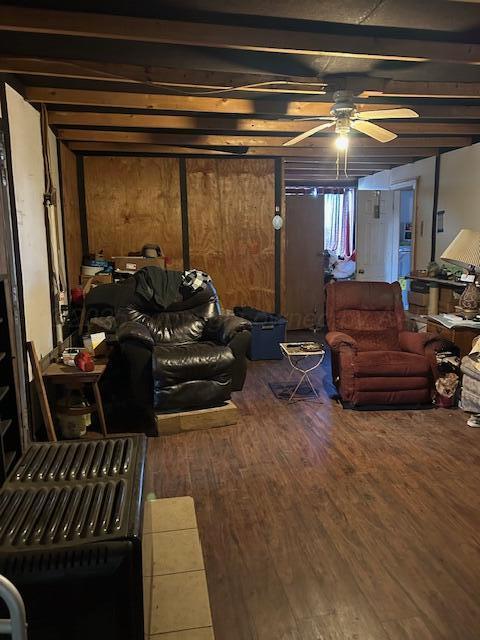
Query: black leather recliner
[185, 356]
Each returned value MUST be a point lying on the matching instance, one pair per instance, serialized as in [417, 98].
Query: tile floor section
[176, 599]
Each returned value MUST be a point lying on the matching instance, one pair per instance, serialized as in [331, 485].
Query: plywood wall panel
[71, 215]
[131, 202]
[231, 204]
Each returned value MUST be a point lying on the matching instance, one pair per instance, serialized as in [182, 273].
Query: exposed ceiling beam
[370, 158]
[145, 121]
[328, 183]
[266, 141]
[326, 174]
[408, 89]
[279, 152]
[130, 100]
[305, 169]
[320, 42]
[161, 76]
[293, 163]
[365, 87]
[121, 99]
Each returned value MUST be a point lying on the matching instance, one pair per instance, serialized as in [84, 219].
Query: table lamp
[464, 251]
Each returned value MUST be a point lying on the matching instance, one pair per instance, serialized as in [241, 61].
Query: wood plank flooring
[324, 524]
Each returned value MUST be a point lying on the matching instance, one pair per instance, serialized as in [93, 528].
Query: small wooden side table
[73, 378]
[462, 337]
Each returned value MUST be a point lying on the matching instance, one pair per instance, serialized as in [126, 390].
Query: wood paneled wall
[132, 201]
[71, 215]
[231, 203]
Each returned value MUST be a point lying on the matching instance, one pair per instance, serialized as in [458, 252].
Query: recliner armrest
[337, 340]
[222, 329]
[135, 331]
[420, 343]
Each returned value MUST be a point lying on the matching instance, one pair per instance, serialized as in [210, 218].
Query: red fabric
[412, 396]
[390, 364]
[375, 361]
[391, 384]
[337, 340]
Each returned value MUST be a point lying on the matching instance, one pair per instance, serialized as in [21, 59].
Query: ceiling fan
[344, 116]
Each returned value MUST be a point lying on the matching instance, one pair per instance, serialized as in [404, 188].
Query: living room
[239, 320]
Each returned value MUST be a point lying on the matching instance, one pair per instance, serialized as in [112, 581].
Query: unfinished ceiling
[176, 77]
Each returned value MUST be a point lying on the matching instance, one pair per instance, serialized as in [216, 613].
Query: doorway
[386, 234]
[404, 203]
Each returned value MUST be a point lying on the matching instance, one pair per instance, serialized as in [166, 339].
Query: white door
[375, 236]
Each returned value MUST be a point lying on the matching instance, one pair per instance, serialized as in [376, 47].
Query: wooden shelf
[4, 426]
[3, 392]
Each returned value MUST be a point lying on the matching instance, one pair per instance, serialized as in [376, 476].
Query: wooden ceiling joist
[321, 42]
[305, 170]
[278, 152]
[291, 167]
[204, 123]
[360, 160]
[161, 76]
[409, 89]
[325, 176]
[234, 106]
[258, 141]
[364, 87]
[130, 100]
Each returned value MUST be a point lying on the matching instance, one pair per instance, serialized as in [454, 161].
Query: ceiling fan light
[341, 142]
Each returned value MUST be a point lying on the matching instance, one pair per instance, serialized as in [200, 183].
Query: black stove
[70, 538]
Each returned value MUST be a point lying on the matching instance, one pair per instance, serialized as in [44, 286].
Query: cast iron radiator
[70, 538]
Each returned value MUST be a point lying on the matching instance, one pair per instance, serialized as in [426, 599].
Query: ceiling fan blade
[373, 130]
[307, 134]
[387, 113]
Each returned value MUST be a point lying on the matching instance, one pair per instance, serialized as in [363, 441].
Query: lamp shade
[464, 250]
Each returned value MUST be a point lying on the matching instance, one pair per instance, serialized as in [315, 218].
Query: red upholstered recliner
[375, 360]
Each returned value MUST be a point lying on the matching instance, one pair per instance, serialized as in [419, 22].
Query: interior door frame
[406, 185]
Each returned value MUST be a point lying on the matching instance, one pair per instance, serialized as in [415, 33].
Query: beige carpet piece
[175, 586]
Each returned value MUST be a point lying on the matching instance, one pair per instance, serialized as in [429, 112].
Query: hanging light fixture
[342, 129]
[341, 142]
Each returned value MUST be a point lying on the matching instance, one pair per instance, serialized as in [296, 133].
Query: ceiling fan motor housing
[343, 111]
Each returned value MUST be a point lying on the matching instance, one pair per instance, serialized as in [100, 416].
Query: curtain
[339, 222]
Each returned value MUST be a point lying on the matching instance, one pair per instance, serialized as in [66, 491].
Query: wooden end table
[74, 378]
[462, 337]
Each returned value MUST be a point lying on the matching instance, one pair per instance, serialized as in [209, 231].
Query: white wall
[459, 193]
[28, 179]
[424, 171]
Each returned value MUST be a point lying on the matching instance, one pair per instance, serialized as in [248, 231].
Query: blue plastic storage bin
[266, 338]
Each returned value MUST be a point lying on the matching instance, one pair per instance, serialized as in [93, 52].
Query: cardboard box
[135, 263]
[418, 310]
[419, 299]
[100, 278]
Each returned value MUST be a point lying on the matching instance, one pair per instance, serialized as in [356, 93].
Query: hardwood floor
[324, 524]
